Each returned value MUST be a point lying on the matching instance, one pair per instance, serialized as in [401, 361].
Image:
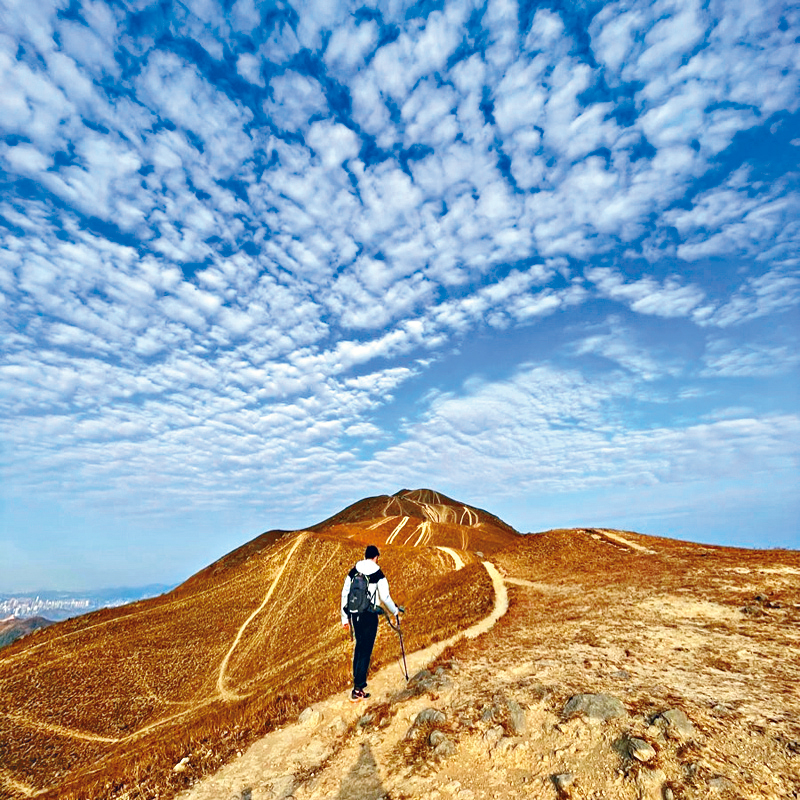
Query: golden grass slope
[105, 705]
[711, 632]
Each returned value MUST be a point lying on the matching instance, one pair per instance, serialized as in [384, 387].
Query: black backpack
[358, 599]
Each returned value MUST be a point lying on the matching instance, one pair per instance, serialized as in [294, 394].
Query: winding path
[266, 759]
[224, 692]
[457, 560]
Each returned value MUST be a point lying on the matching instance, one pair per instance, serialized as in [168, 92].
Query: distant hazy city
[62, 605]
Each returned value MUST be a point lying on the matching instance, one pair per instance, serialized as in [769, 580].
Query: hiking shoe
[358, 694]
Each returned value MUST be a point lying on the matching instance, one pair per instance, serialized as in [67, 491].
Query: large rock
[509, 713]
[310, 717]
[720, 784]
[599, 707]
[442, 746]
[421, 683]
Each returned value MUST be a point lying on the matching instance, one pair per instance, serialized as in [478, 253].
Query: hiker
[365, 622]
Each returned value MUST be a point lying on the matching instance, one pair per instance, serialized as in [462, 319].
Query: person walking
[365, 623]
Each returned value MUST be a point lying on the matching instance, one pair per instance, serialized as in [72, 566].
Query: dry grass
[107, 704]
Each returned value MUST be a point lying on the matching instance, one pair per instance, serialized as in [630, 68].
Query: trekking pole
[399, 631]
[402, 649]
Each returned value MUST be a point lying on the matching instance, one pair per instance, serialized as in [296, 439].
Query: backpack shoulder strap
[353, 572]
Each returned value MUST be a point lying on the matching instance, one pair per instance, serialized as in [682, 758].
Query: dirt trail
[271, 762]
[457, 560]
[224, 692]
[623, 541]
[14, 785]
[683, 647]
[60, 730]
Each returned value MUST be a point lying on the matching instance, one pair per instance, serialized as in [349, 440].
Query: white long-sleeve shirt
[377, 591]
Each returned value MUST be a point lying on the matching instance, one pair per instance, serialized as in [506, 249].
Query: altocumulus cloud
[259, 259]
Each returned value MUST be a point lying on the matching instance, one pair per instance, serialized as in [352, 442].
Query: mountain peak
[419, 517]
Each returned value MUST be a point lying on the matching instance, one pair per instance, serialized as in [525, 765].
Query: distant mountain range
[12, 629]
[58, 606]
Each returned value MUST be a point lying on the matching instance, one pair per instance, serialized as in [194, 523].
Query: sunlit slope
[421, 517]
[243, 644]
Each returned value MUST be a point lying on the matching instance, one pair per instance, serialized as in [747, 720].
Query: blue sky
[260, 260]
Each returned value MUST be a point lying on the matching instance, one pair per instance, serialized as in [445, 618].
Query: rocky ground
[616, 667]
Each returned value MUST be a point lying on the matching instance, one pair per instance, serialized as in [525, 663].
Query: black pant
[365, 628]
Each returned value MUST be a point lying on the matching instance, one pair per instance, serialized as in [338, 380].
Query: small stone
[517, 724]
[436, 737]
[675, 723]
[640, 750]
[650, 783]
[594, 707]
[564, 783]
[493, 736]
[338, 725]
[669, 794]
[504, 745]
[310, 717]
[444, 749]
[432, 715]
[182, 765]
[720, 784]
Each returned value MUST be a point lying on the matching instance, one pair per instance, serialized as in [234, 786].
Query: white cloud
[335, 143]
[770, 293]
[545, 431]
[349, 45]
[727, 359]
[647, 296]
[295, 99]
[304, 264]
[619, 345]
[248, 65]
[25, 158]
[244, 15]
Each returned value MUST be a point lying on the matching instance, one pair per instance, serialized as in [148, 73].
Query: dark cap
[371, 552]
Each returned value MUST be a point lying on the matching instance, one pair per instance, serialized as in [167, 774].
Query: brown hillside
[100, 704]
[693, 651]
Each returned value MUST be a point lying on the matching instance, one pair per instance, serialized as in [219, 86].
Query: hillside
[103, 702]
[232, 685]
[625, 667]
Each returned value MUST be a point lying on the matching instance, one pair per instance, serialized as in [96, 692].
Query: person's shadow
[363, 781]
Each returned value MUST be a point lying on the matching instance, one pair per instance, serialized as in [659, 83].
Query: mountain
[60, 605]
[13, 629]
[239, 647]
[579, 663]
